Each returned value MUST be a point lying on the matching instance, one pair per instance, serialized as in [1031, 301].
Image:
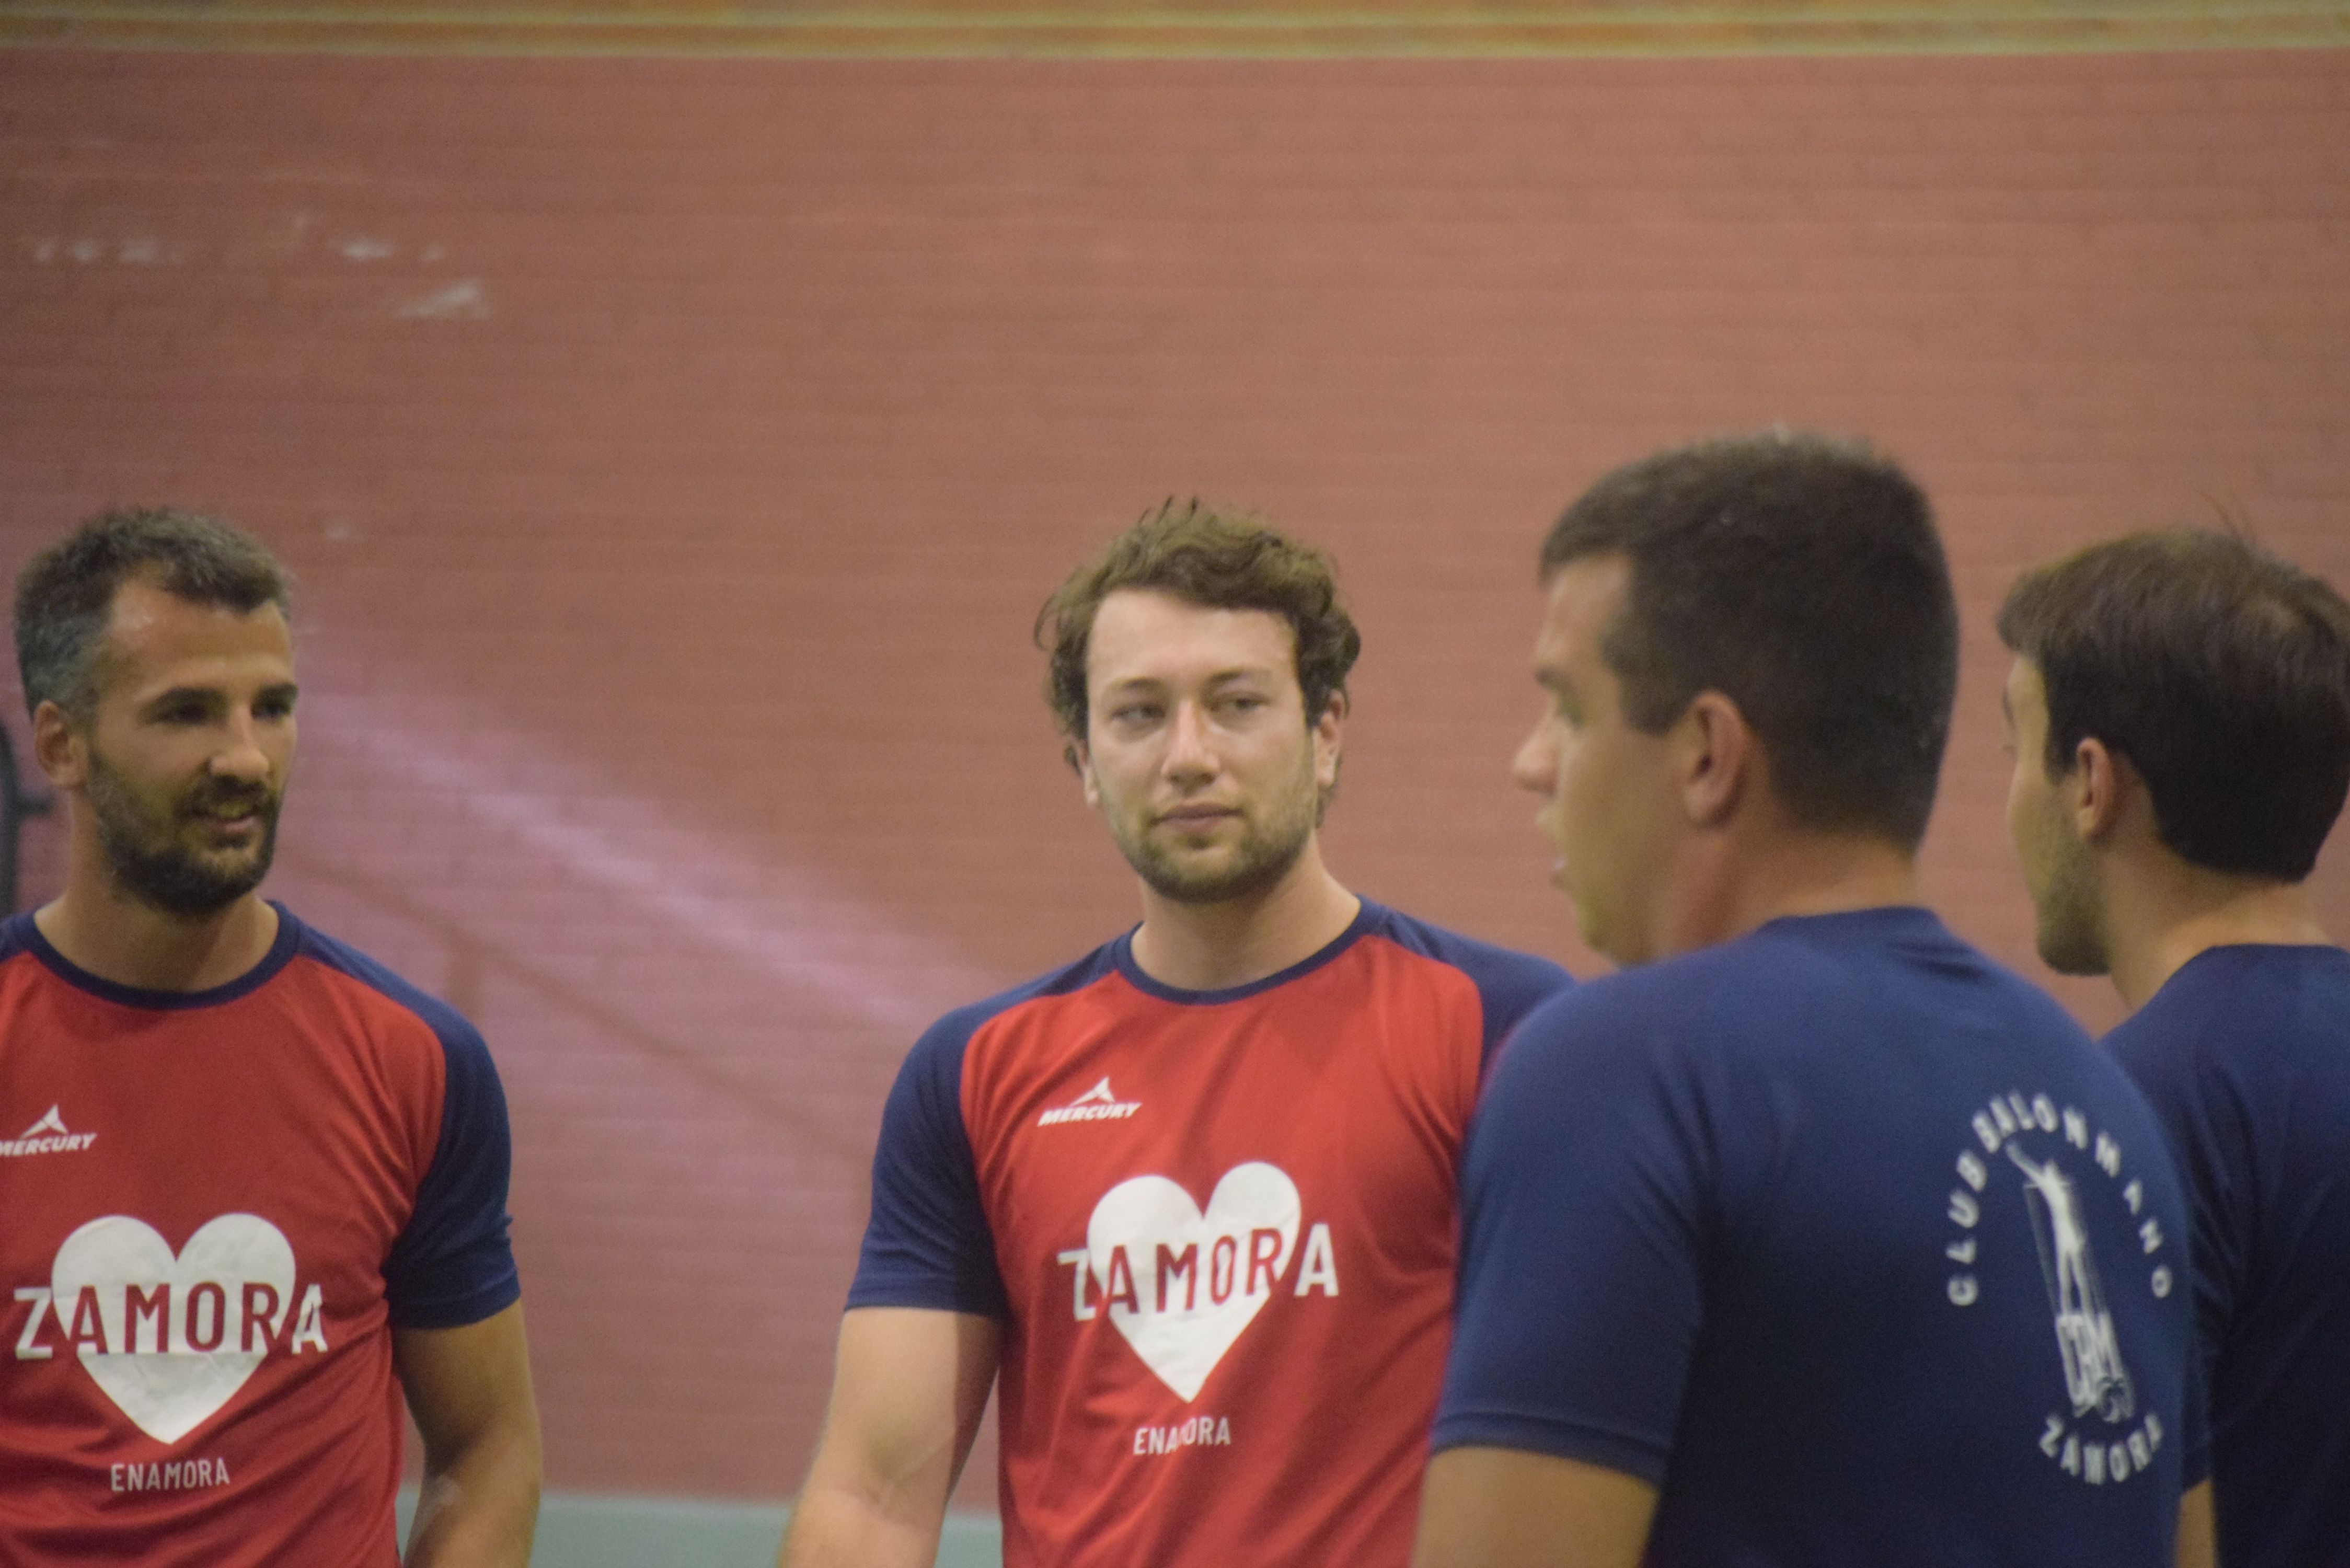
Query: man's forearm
[478, 1508]
[836, 1528]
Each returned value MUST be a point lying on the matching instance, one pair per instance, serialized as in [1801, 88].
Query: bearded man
[260, 1195]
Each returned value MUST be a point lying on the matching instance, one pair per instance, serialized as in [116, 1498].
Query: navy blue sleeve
[928, 1243]
[1584, 1192]
[453, 1263]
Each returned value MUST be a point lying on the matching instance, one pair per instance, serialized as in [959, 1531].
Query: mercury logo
[1095, 1105]
[48, 1136]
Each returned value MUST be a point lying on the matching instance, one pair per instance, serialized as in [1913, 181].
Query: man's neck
[109, 934]
[1214, 947]
[2161, 912]
[1739, 884]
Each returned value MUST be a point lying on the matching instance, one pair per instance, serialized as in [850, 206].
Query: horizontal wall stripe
[1291, 31]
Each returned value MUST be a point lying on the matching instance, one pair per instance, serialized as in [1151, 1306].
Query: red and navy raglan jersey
[219, 1205]
[1218, 1228]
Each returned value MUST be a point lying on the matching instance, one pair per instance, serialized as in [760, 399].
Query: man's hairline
[1619, 617]
[82, 703]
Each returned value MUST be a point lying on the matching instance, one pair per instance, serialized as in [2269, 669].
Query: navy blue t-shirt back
[2245, 1056]
[1846, 1238]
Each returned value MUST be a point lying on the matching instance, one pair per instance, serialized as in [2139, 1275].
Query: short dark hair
[66, 595]
[1800, 578]
[2219, 671]
[1215, 557]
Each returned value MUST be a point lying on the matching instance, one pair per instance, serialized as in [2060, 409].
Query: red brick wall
[674, 454]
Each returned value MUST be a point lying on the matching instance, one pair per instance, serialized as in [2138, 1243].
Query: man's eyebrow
[213, 696]
[172, 694]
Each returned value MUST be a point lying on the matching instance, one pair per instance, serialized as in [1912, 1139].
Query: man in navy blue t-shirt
[2179, 710]
[1813, 1238]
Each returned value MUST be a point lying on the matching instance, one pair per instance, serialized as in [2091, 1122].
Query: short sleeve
[1583, 1196]
[453, 1263]
[928, 1243]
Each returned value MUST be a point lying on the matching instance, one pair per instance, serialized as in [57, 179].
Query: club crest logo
[2037, 1163]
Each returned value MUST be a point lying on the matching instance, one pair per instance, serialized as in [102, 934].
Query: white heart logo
[173, 1337]
[1181, 1285]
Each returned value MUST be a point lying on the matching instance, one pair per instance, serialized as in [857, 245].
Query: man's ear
[1714, 752]
[2095, 791]
[1081, 762]
[1329, 734]
[59, 748]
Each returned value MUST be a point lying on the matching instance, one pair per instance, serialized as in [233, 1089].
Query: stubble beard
[2065, 912]
[151, 864]
[1265, 852]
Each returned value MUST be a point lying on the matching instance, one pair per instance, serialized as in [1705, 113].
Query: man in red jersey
[261, 1190]
[1191, 1198]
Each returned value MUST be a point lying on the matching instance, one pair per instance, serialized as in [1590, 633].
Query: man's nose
[1190, 750]
[1536, 767]
[241, 755]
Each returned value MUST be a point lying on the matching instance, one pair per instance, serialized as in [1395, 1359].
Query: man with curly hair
[1188, 1201]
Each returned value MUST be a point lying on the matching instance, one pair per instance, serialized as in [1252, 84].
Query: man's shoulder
[16, 936]
[1510, 984]
[1667, 998]
[1803, 985]
[2249, 1042]
[2253, 999]
[350, 966]
[1489, 963]
[953, 1030]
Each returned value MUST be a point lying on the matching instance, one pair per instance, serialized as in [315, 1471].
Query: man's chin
[2071, 955]
[1210, 879]
[195, 887]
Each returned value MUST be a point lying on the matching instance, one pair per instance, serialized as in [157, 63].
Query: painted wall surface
[674, 453]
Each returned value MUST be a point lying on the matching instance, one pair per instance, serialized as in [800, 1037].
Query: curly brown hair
[1210, 557]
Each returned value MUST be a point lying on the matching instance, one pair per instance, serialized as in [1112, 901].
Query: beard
[1263, 854]
[143, 848]
[2066, 910]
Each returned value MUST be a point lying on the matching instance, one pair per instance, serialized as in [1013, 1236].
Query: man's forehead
[1148, 634]
[2023, 695]
[153, 633]
[1579, 600]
